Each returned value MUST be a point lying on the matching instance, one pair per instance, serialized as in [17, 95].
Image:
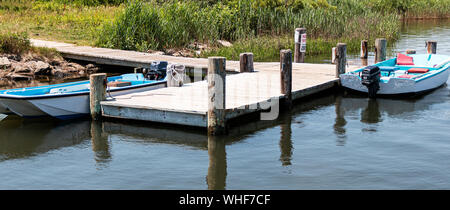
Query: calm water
[335, 141]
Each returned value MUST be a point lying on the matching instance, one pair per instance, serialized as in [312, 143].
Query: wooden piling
[286, 77]
[300, 45]
[216, 95]
[380, 49]
[341, 58]
[97, 94]
[364, 49]
[246, 62]
[410, 51]
[431, 47]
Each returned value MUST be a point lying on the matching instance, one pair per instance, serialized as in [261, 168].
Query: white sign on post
[296, 36]
[303, 43]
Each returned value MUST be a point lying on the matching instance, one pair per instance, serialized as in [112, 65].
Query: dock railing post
[364, 49]
[341, 58]
[246, 62]
[380, 49]
[300, 45]
[97, 94]
[286, 77]
[431, 47]
[216, 95]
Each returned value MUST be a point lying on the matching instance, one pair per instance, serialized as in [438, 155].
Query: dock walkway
[188, 105]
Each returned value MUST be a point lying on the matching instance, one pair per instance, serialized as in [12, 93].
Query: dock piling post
[341, 58]
[364, 49]
[246, 62]
[286, 77]
[97, 94]
[431, 47]
[300, 45]
[380, 49]
[216, 95]
[410, 51]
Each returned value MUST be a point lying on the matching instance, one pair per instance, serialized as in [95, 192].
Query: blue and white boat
[403, 75]
[69, 100]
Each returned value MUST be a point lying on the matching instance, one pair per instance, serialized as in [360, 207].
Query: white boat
[405, 74]
[68, 100]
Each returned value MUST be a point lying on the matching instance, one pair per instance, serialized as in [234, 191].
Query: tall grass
[176, 24]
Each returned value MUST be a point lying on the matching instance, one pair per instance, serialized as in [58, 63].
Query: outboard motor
[370, 77]
[157, 70]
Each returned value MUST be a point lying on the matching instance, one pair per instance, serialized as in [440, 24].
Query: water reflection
[340, 122]
[286, 147]
[100, 144]
[371, 114]
[217, 170]
[24, 138]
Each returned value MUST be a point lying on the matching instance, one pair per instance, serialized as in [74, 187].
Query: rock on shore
[18, 68]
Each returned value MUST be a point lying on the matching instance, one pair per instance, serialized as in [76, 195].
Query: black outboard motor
[157, 70]
[370, 77]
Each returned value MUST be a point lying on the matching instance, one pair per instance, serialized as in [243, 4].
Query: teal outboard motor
[370, 77]
[157, 70]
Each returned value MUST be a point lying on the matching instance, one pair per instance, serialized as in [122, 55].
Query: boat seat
[389, 69]
[404, 59]
[418, 70]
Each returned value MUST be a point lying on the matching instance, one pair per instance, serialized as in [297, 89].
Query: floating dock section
[256, 87]
[245, 93]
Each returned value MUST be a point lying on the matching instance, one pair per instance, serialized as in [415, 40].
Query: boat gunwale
[21, 97]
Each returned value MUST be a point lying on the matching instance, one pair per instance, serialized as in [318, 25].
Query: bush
[14, 43]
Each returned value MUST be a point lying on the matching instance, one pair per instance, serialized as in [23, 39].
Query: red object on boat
[404, 59]
[407, 76]
[418, 70]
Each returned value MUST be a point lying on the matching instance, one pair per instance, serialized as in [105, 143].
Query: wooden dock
[246, 93]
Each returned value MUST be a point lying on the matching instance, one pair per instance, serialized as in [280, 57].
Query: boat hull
[3, 109]
[70, 107]
[398, 86]
[23, 108]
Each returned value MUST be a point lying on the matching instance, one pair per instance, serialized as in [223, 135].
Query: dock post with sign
[300, 45]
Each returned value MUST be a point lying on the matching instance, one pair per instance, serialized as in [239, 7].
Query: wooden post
[380, 50]
[97, 94]
[286, 76]
[216, 95]
[431, 47]
[333, 55]
[341, 58]
[410, 51]
[246, 62]
[364, 49]
[300, 45]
